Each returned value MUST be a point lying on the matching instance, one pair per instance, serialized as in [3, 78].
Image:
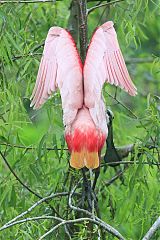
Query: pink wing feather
[104, 62]
[60, 67]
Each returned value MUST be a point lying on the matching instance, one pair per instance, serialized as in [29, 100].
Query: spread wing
[60, 67]
[104, 62]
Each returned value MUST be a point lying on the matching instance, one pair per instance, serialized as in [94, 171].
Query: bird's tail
[84, 158]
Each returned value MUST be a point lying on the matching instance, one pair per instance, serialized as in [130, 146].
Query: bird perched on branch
[80, 87]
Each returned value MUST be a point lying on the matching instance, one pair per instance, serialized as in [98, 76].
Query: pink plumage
[104, 63]
[60, 67]
[81, 92]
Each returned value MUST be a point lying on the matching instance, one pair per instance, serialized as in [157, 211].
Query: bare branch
[103, 5]
[28, 220]
[101, 223]
[119, 102]
[113, 179]
[54, 195]
[76, 221]
[152, 230]
[33, 1]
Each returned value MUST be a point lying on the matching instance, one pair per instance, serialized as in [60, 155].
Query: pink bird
[80, 87]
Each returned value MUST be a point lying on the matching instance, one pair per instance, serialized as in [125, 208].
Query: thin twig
[123, 152]
[119, 102]
[103, 5]
[30, 148]
[127, 61]
[33, 1]
[132, 163]
[152, 230]
[28, 220]
[26, 55]
[15, 175]
[23, 184]
[113, 179]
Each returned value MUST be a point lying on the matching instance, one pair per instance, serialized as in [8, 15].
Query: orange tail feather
[84, 158]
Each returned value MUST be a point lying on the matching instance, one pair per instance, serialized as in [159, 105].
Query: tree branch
[30, 148]
[113, 179]
[33, 1]
[26, 55]
[103, 224]
[119, 102]
[54, 195]
[65, 222]
[28, 220]
[127, 61]
[152, 230]
[82, 4]
[122, 151]
[73, 20]
[103, 5]
[131, 163]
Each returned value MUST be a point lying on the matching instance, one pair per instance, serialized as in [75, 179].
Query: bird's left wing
[60, 67]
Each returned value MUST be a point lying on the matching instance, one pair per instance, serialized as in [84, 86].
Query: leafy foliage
[33, 143]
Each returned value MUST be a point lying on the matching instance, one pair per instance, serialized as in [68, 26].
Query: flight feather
[105, 63]
[60, 67]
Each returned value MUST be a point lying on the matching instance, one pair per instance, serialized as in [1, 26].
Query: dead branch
[152, 230]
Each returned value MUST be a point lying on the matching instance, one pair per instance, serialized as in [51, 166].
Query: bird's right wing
[61, 68]
[104, 62]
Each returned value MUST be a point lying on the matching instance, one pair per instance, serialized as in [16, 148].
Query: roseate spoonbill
[80, 87]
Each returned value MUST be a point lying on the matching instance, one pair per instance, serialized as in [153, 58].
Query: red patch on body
[90, 139]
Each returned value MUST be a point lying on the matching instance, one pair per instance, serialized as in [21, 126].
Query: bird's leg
[87, 193]
[97, 172]
[85, 190]
[84, 186]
